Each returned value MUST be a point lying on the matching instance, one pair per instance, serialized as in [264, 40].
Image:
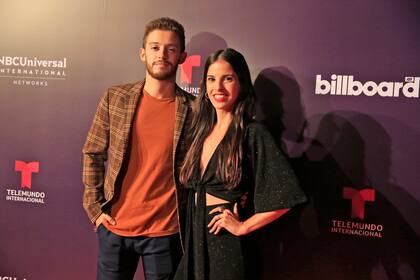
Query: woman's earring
[206, 95]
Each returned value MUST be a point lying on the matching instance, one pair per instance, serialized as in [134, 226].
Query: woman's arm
[230, 221]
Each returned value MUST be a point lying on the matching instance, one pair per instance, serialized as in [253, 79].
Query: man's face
[162, 54]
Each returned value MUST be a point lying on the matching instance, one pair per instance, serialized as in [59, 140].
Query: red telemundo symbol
[186, 68]
[26, 169]
[358, 199]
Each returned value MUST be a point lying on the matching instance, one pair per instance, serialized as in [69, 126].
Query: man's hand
[104, 217]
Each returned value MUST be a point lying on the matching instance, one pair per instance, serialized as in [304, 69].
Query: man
[139, 128]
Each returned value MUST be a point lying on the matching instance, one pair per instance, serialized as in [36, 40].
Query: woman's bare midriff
[212, 200]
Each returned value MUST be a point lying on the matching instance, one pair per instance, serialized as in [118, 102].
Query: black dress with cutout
[266, 176]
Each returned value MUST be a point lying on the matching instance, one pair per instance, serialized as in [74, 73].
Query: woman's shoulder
[256, 130]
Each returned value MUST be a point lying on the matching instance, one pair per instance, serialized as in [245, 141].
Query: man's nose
[163, 52]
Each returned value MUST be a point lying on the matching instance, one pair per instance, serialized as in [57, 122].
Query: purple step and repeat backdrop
[338, 86]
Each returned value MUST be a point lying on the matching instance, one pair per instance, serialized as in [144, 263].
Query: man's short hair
[165, 23]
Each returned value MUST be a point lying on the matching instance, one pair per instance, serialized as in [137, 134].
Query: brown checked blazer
[108, 139]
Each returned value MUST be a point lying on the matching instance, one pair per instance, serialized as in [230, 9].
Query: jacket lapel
[130, 106]
[181, 109]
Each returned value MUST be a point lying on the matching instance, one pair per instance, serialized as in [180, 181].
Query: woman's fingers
[235, 209]
[227, 221]
[217, 209]
[214, 220]
[216, 227]
[222, 220]
[227, 212]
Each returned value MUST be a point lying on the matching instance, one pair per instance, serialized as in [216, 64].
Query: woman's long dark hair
[204, 118]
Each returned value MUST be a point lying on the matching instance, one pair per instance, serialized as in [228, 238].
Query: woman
[230, 157]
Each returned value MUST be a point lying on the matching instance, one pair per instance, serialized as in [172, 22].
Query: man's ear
[142, 54]
[182, 57]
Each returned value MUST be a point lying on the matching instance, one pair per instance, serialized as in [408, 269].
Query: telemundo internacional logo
[25, 193]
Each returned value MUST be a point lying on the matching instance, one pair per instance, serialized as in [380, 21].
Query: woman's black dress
[266, 176]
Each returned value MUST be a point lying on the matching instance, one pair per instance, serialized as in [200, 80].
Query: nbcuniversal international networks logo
[10, 278]
[346, 85]
[24, 193]
[356, 226]
[186, 73]
[32, 71]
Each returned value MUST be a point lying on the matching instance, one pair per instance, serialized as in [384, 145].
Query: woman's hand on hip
[226, 219]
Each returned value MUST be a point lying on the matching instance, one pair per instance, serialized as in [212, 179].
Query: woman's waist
[216, 194]
[215, 200]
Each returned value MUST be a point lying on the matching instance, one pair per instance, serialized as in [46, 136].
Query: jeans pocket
[100, 228]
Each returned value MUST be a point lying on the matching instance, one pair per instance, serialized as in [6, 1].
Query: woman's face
[222, 85]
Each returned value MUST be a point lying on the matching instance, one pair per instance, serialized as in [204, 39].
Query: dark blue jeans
[119, 256]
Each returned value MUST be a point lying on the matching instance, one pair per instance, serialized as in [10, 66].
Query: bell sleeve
[275, 184]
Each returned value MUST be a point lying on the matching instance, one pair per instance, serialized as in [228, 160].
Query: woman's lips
[220, 97]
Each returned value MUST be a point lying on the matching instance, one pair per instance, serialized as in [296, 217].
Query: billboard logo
[24, 192]
[345, 85]
[26, 170]
[358, 199]
[186, 76]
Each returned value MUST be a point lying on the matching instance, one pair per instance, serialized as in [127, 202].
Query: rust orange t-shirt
[146, 204]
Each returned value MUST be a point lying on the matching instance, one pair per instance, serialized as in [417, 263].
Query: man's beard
[162, 75]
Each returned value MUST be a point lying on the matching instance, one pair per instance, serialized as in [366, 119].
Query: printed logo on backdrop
[360, 199]
[10, 278]
[347, 85]
[32, 71]
[24, 193]
[186, 74]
